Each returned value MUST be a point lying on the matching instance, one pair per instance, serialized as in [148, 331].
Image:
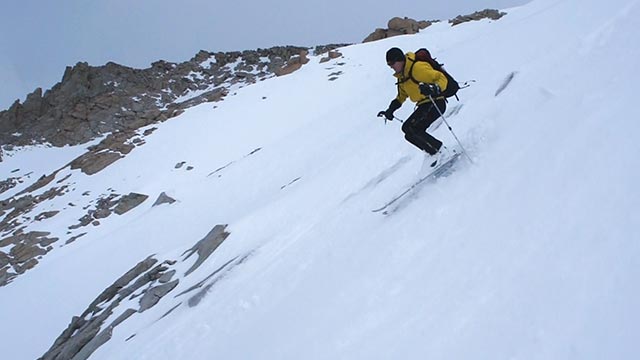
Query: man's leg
[415, 128]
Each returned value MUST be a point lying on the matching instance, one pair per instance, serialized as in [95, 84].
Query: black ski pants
[415, 128]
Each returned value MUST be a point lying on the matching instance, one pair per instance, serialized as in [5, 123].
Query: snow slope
[532, 252]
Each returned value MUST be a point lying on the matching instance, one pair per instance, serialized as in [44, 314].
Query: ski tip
[383, 210]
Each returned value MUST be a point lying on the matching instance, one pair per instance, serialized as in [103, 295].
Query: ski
[439, 171]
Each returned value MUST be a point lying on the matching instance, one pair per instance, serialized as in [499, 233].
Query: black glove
[386, 113]
[395, 105]
[429, 89]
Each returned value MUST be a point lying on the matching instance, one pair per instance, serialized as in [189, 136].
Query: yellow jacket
[422, 73]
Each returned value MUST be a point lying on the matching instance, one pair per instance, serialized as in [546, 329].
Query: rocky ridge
[403, 26]
[491, 14]
[91, 101]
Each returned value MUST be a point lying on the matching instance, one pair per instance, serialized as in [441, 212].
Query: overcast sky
[39, 38]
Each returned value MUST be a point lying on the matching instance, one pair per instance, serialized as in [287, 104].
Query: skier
[417, 80]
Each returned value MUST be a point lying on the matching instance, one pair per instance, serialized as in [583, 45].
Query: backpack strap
[413, 62]
[411, 74]
[433, 66]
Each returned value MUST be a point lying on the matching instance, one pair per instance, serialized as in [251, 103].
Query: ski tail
[445, 169]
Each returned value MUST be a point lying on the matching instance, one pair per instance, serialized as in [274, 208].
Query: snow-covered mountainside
[265, 246]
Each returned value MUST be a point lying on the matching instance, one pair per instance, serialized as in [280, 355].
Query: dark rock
[153, 295]
[44, 180]
[164, 199]
[129, 202]
[29, 264]
[207, 246]
[321, 49]
[4, 260]
[166, 277]
[5, 276]
[293, 64]
[478, 15]
[46, 215]
[331, 55]
[111, 149]
[104, 208]
[8, 183]
[23, 252]
[399, 26]
[74, 238]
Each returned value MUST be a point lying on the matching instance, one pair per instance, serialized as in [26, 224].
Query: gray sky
[39, 38]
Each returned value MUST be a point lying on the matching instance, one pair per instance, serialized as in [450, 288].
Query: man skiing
[418, 81]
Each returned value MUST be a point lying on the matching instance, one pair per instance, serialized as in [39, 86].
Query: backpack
[452, 85]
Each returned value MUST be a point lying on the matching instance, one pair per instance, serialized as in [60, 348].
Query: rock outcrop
[94, 100]
[148, 282]
[478, 15]
[399, 26]
[163, 198]
[21, 251]
[403, 26]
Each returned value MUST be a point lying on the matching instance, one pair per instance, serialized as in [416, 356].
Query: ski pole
[394, 118]
[466, 84]
[450, 129]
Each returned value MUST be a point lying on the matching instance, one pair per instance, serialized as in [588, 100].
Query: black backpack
[452, 85]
